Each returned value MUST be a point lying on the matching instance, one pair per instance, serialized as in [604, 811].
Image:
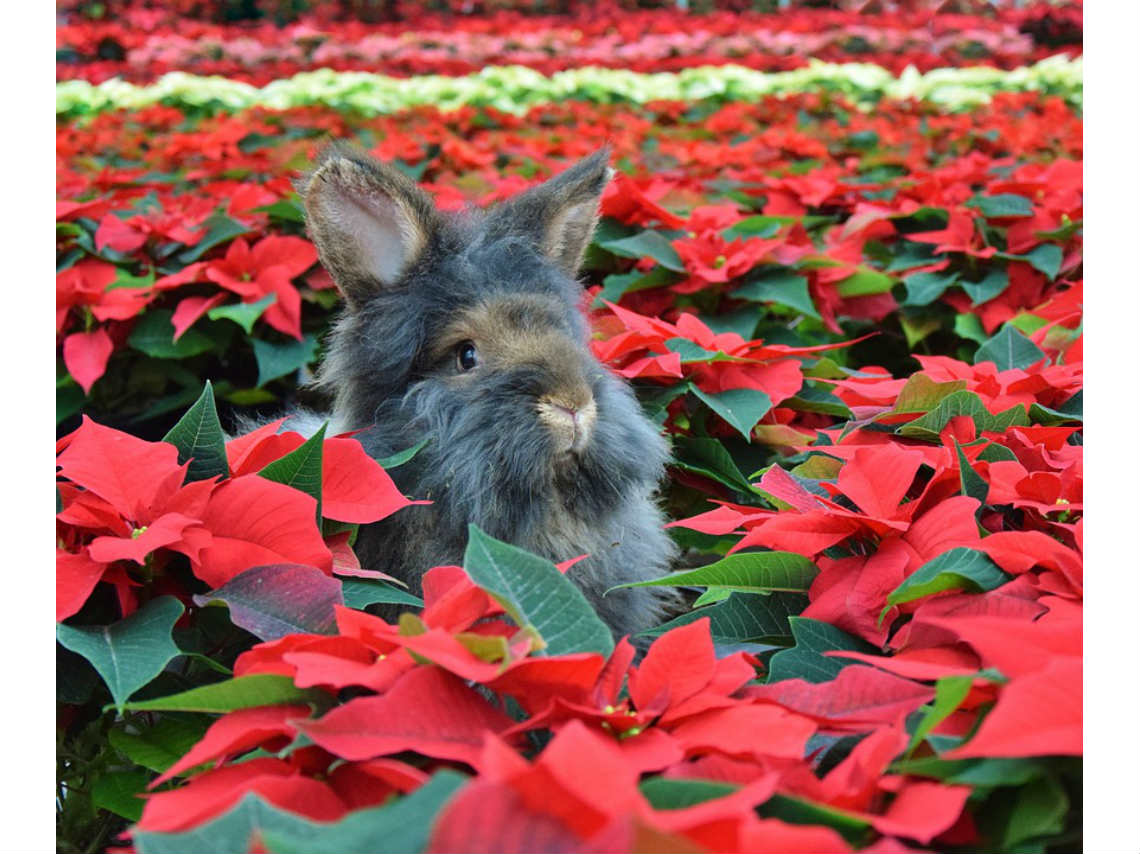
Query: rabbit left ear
[562, 212]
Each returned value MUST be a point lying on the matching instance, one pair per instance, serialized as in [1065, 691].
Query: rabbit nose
[571, 425]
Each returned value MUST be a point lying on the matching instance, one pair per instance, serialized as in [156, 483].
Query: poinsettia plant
[149, 43]
[199, 265]
[861, 332]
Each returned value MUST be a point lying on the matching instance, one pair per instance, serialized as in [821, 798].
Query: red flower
[268, 268]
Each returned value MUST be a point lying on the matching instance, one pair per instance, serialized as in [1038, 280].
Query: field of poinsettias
[851, 297]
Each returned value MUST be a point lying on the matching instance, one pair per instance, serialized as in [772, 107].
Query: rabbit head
[467, 329]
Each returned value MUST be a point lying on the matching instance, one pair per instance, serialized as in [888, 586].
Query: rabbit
[465, 329]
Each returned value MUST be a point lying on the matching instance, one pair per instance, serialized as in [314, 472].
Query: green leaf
[1003, 205]
[812, 398]
[754, 572]
[664, 793]
[154, 335]
[797, 810]
[275, 600]
[981, 773]
[124, 279]
[617, 285]
[1048, 417]
[400, 826]
[996, 453]
[908, 254]
[536, 594]
[957, 569]
[708, 457]
[398, 459]
[1009, 349]
[917, 329]
[921, 394]
[779, 286]
[863, 283]
[743, 617]
[740, 407]
[1046, 258]
[287, 210]
[647, 244]
[301, 468]
[243, 313]
[691, 352]
[970, 327]
[973, 484]
[949, 692]
[118, 792]
[277, 360]
[711, 595]
[242, 692]
[806, 660]
[992, 284]
[757, 226]
[963, 403]
[1035, 810]
[219, 229]
[925, 288]
[69, 399]
[199, 438]
[1072, 409]
[129, 653]
[160, 746]
[360, 592]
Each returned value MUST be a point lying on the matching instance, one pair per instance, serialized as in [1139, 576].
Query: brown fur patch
[515, 331]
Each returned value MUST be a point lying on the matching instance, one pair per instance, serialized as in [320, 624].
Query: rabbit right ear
[370, 222]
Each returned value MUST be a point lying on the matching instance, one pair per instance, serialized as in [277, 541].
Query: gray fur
[489, 460]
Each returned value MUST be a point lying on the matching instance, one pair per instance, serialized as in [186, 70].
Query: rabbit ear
[370, 222]
[562, 212]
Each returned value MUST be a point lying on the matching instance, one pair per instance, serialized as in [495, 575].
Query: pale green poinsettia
[515, 88]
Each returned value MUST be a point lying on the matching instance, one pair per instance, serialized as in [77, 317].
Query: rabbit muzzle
[571, 423]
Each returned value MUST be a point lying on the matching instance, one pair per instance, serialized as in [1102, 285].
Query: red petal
[922, 811]
[213, 792]
[127, 472]
[858, 696]
[1039, 714]
[294, 254]
[747, 731]
[494, 818]
[428, 710]
[190, 309]
[162, 532]
[249, 453]
[356, 488]
[677, 666]
[75, 577]
[118, 235]
[877, 478]
[236, 733]
[85, 354]
[255, 522]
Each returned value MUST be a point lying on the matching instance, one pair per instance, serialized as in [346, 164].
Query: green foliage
[199, 438]
[536, 595]
[131, 652]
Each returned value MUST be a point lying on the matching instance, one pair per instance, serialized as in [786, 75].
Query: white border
[1112, 332]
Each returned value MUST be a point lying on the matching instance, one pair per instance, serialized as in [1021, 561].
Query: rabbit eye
[465, 356]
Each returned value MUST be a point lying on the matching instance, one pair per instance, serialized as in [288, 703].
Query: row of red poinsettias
[974, 233]
[962, 526]
[140, 45]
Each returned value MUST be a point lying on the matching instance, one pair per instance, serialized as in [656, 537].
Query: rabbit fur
[466, 329]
